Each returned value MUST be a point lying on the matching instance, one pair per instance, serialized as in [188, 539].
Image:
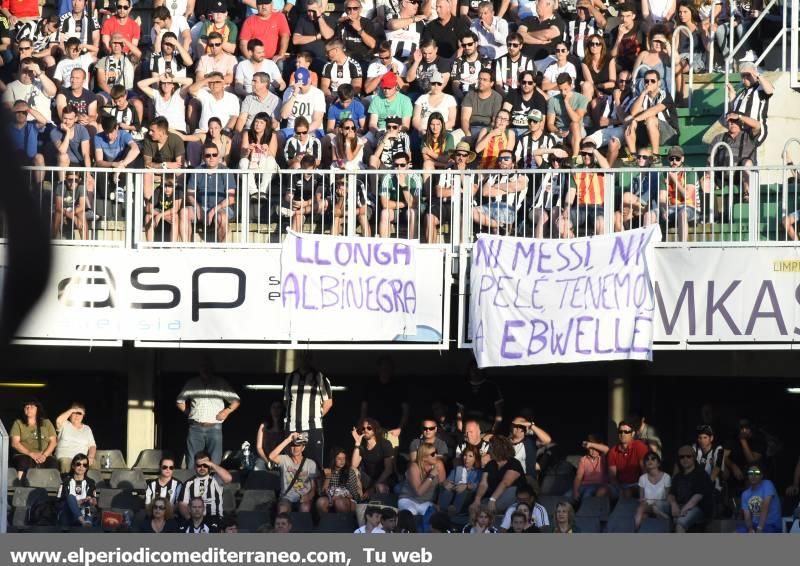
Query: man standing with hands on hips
[308, 397]
[207, 401]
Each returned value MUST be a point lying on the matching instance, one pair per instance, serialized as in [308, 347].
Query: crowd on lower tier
[380, 84]
[468, 466]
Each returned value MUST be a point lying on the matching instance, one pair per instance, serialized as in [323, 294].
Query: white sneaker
[749, 57]
[286, 212]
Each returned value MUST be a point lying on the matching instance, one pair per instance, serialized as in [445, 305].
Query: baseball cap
[535, 115]
[218, 7]
[747, 67]
[389, 80]
[259, 2]
[675, 151]
[301, 75]
[299, 441]
[437, 77]
[394, 120]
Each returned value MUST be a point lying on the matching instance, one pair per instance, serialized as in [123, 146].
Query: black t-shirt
[165, 202]
[80, 102]
[495, 474]
[538, 52]
[304, 26]
[685, 486]
[353, 43]
[520, 108]
[447, 35]
[478, 400]
[425, 71]
[373, 461]
[757, 444]
[385, 402]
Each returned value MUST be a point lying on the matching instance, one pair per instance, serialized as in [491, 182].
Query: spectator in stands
[584, 206]
[301, 144]
[173, 59]
[556, 68]
[80, 98]
[392, 144]
[270, 432]
[565, 519]
[283, 523]
[73, 60]
[197, 522]
[493, 141]
[643, 430]
[308, 397]
[159, 517]
[501, 477]
[210, 198]
[389, 520]
[164, 210]
[451, 184]
[547, 210]
[520, 523]
[523, 101]
[216, 61]
[373, 455]
[480, 106]
[625, 462]
[257, 64]
[121, 26]
[598, 68]
[125, 110]
[640, 205]
[447, 29]
[359, 34]
[259, 100]
[339, 70]
[742, 138]
[654, 486]
[434, 101]
[389, 102]
[656, 57]
[490, 32]
[341, 487]
[24, 135]
[686, 15]
[77, 495]
[74, 437]
[589, 19]
[399, 196]
[710, 456]
[424, 475]
[219, 22]
[479, 399]
[690, 497]
[33, 438]
[628, 39]
[533, 145]
[591, 477]
[163, 150]
[429, 435]
[652, 117]
[458, 490]
[117, 68]
[474, 438]
[388, 397]
[437, 144]
[480, 523]
[465, 69]
[346, 106]
[169, 99]
[207, 401]
[761, 505]
[114, 148]
[424, 63]
[164, 486]
[681, 201]
[271, 28]
[565, 113]
[80, 24]
[527, 438]
[311, 29]
[306, 193]
[502, 195]
[38, 39]
[303, 100]
[33, 86]
[207, 485]
[541, 33]
[164, 22]
[746, 450]
[71, 205]
[259, 150]
[508, 68]
[71, 142]
[215, 101]
[383, 64]
[535, 514]
[298, 474]
[372, 522]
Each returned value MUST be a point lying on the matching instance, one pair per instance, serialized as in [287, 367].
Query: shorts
[603, 137]
[500, 212]
[207, 202]
[693, 517]
[586, 215]
[441, 210]
[672, 213]
[666, 133]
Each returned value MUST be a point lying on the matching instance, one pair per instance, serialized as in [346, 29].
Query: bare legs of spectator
[431, 229]
[574, 137]
[651, 124]
[77, 215]
[614, 147]
[789, 225]
[387, 217]
[647, 509]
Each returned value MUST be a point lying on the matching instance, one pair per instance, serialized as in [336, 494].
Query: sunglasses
[642, 156]
[470, 44]
[650, 81]
[123, 7]
[216, 44]
[384, 57]
[71, 180]
[561, 50]
[587, 153]
[686, 456]
[159, 508]
[753, 473]
[595, 44]
[201, 465]
[675, 159]
[353, 8]
[299, 133]
[436, 84]
[428, 428]
[623, 81]
[526, 82]
[348, 128]
[625, 431]
[504, 158]
[81, 464]
[513, 44]
[520, 426]
[366, 427]
[167, 467]
[207, 155]
[462, 154]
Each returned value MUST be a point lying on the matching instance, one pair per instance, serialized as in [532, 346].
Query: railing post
[244, 205]
[4, 447]
[794, 45]
[675, 38]
[352, 203]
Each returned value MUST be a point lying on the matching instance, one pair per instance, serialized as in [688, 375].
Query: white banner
[328, 282]
[550, 301]
[206, 295]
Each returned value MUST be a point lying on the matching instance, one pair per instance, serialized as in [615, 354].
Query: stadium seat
[49, 479]
[588, 524]
[251, 521]
[336, 523]
[263, 480]
[108, 499]
[574, 459]
[302, 522]
[182, 474]
[23, 500]
[228, 501]
[257, 500]
[558, 479]
[127, 479]
[655, 525]
[116, 457]
[621, 518]
[148, 461]
[97, 476]
[549, 502]
[594, 507]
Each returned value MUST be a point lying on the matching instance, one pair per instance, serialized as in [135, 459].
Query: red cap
[389, 80]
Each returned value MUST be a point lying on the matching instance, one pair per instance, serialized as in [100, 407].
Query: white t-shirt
[174, 110]
[179, 25]
[304, 104]
[66, 65]
[245, 71]
[655, 492]
[363, 530]
[446, 105]
[73, 441]
[378, 69]
[222, 109]
[552, 72]
[32, 94]
[177, 8]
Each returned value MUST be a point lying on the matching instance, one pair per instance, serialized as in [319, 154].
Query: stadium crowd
[469, 468]
[260, 86]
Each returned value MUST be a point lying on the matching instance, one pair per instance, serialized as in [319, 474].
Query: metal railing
[675, 40]
[175, 208]
[4, 479]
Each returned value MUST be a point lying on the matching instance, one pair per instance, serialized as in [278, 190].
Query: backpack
[44, 513]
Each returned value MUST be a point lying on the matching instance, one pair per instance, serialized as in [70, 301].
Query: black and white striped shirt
[171, 492]
[466, 72]
[341, 74]
[294, 146]
[753, 102]
[201, 529]
[209, 489]
[69, 27]
[576, 33]
[405, 40]
[304, 393]
[80, 490]
[160, 66]
[715, 458]
[526, 145]
[506, 71]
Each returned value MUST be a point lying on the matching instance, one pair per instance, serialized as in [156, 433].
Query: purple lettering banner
[562, 301]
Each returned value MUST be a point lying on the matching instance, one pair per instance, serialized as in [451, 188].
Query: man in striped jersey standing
[308, 397]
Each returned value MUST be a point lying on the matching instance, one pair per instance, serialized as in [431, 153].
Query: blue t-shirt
[752, 499]
[25, 139]
[211, 187]
[337, 113]
[74, 151]
[116, 150]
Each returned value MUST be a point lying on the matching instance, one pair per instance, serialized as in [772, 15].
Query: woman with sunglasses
[74, 437]
[654, 486]
[435, 101]
[493, 141]
[437, 142]
[77, 494]
[423, 477]
[561, 65]
[599, 72]
[373, 455]
[165, 485]
[159, 518]
[655, 58]
[347, 147]
[341, 487]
